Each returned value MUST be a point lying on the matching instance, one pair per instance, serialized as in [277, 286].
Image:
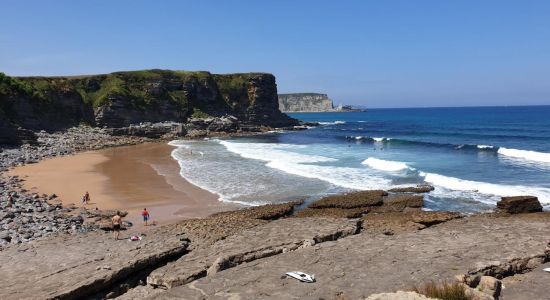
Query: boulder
[490, 286]
[105, 213]
[413, 189]
[519, 204]
[351, 200]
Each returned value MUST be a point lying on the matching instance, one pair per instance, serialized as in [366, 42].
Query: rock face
[305, 102]
[74, 267]
[249, 245]
[124, 98]
[363, 264]
[519, 204]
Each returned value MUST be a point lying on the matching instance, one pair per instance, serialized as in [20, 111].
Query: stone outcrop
[400, 202]
[332, 212]
[351, 200]
[363, 264]
[274, 238]
[519, 204]
[413, 189]
[78, 266]
[390, 223]
[305, 102]
[526, 285]
[121, 99]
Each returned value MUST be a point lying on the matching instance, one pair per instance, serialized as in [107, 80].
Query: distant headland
[311, 102]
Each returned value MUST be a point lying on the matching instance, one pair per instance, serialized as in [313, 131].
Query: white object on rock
[301, 276]
[135, 238]
[546, 270]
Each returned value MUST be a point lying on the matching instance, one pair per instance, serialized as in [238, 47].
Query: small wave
[380, 139]
[385, 165]
[485, 147]
[457, 184]
[366, 138]
[333, 123]
[525, 154]
[179, 144]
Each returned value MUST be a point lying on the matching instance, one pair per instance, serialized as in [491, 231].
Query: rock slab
[519, 204]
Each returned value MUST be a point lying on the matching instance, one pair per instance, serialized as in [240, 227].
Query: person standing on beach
[86, 198]
[145, 215]
[117, 221]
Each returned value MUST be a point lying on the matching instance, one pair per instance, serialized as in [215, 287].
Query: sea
[472, 156]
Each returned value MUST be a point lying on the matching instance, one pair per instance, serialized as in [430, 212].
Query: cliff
[124, 98]
[305, 102]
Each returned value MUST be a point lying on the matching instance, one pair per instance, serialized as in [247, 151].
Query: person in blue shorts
[145, 215]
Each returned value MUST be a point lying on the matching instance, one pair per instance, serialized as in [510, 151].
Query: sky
[373, 53]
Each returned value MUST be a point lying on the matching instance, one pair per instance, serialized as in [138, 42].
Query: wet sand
[125, 178]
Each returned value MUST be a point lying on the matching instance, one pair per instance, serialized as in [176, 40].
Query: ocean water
[472, 156]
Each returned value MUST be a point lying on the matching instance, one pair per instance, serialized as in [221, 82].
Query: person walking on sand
[86, 198]
[117, 221]
[145, 215]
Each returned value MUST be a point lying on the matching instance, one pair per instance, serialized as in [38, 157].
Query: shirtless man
[117, 221]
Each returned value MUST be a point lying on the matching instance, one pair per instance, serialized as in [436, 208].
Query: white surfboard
[301, 276]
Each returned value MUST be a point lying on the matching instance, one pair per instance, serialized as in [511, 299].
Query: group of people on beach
[117, 221]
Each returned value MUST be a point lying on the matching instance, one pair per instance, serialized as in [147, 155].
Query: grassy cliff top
[132, 85]
[149, 73]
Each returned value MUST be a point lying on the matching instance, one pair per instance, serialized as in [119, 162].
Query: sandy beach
[124, 178]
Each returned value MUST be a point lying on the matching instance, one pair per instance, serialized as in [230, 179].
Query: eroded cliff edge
[123, 98]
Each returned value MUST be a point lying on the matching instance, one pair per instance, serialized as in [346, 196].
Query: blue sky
[374, 53]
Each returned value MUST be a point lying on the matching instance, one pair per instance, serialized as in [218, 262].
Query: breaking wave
[385, 165]
[281, 157]
[457, 184]
[333, 123]
[525, 154]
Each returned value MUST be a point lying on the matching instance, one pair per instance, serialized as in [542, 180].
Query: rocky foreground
[391, 245]
[362, 245]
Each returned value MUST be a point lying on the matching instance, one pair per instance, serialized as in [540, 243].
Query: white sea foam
[376, 139]
[269, 152]
[180, 144]
[281, 157]
[385, 165]
[485, 147]
[525, 154]
[457, 184]
[333, 123]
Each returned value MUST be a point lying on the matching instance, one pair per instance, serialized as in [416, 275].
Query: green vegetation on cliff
[122, 98]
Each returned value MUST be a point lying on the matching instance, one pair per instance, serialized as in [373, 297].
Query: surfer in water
[117, 221]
